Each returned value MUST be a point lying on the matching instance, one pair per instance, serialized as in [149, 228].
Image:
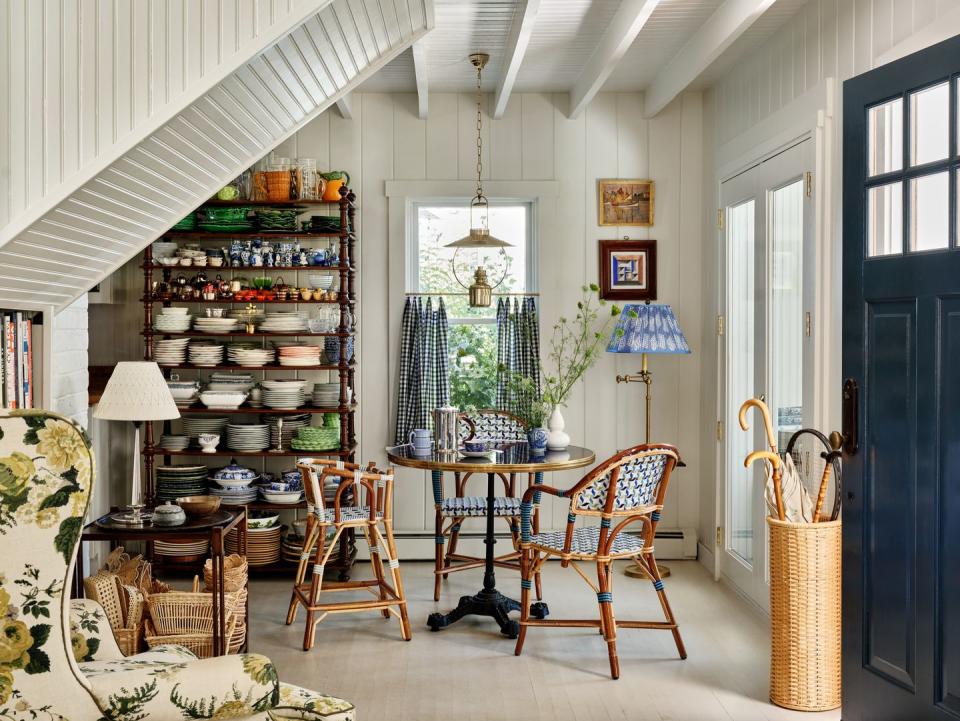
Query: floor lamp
[644, 329]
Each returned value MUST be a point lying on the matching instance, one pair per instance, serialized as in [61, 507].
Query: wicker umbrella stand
[805, 614]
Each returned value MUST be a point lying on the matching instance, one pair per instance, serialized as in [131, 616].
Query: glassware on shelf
[310, 183]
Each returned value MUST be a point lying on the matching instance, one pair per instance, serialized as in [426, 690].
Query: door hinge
[719, 537]
[808, 183]
[719, 218]
[807, 324]
[719, 325]
[719, 430]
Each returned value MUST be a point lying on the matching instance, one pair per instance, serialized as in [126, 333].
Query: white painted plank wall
[826, 38]
[386, 140]
[77, 76]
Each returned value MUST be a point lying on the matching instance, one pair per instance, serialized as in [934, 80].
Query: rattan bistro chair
[628, 488]
[374, 517]
[452, 511]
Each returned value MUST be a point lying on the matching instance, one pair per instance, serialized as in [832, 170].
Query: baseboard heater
[670, 543]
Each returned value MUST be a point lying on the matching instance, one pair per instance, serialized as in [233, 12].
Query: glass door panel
[741, 370]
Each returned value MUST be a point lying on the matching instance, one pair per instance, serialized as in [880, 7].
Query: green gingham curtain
[518, 346]
[424, 351]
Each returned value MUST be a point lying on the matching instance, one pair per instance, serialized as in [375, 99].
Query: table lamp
[136, 392]
[646, 328]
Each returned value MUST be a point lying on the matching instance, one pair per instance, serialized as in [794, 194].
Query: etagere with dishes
[249, 309]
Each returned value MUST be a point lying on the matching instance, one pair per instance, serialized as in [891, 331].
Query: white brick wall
[68, 361]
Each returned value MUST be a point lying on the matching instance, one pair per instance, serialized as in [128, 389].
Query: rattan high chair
[373, 515]
[452, 511]
[629, 487]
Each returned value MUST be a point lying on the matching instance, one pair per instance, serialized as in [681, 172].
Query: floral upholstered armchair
[59, 660]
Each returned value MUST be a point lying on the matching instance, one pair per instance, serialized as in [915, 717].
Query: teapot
[335, 180]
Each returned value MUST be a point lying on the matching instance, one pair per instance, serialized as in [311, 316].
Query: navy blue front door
[901, 362]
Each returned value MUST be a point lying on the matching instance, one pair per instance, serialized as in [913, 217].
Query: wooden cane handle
[767, 422]
[774, 460]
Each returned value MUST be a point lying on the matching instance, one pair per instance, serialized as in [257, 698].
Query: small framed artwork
[625, 202]
[628, 269]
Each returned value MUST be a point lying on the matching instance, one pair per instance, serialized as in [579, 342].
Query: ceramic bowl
[164, 249]
[169, 261]
[199, 506]
[477, 445]
[320, 280]
[262, 519]
[182, 394]
[222, 399]
[281, 496]
[168, 515]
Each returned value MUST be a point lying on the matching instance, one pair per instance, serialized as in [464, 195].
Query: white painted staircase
[123, 117]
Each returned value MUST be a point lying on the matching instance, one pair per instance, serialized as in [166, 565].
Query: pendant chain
[479, 141]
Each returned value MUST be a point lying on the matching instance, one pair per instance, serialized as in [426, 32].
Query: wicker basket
[129, 639]
[200, 643]
[805, 615]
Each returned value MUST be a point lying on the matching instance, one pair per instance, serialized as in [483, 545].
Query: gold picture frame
[625, 202]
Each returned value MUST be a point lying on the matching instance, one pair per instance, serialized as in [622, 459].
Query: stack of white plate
[227, 387]
[236, 496]
[205, 354]
[172, 320]
[215, 325]
[290, 425]
[193, 426]
[224, 377]
[183, 550]
[284, 321]
[283, 398]
[327, 395]
[173, 443]
[299, 355]
[248, 436]
[170, 352]
[247, 354]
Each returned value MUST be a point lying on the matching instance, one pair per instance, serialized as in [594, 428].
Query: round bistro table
[505, 458]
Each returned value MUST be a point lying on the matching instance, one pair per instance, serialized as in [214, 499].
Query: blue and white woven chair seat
[585, 541]
[471, 506]
[347, 514]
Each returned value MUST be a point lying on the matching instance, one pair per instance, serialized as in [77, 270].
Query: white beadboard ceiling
[110, 216]
[565, 35]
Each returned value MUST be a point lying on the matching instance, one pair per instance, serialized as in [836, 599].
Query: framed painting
[628, 269]
[625, 202]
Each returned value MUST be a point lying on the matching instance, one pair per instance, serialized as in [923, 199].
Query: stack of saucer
[170, 352]
[284, 321]
[183, 551]
[299, 355]
[173, 443]
[176, 481]
[283, 394]
[248, 354]
[239, 378]
[238, 496]
[215, 325]
[172, 320]
[205, 354]
[194, 426]
[248, 436]
[316, 439]
[290, 425]
[327, 395]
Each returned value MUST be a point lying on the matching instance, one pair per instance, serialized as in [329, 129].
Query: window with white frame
[432, 225]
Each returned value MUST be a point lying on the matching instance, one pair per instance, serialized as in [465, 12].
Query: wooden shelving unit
[345, 371]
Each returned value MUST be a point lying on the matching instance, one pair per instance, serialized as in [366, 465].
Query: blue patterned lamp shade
[648, 328]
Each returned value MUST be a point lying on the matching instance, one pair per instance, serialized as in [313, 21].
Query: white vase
[557, 440]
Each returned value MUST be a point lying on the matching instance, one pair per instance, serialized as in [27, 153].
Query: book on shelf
[16, 369]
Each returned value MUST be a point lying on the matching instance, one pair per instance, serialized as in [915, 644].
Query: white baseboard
[671, 543]
[706, 558]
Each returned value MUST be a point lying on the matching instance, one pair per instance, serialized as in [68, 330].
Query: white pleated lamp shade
[137, 391]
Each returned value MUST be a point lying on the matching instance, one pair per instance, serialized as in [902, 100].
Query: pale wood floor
[468, 672]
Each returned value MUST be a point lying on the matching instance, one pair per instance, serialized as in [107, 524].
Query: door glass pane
[929, 212]
[741, 339]
[930, 124]
[786, 310]
[886, 138]
[885, 219]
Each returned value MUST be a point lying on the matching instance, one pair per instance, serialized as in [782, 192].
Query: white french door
[767, 288]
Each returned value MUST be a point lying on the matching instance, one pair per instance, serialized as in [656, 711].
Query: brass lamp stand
[635, 570]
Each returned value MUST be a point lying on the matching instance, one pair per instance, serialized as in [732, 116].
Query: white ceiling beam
[728, 22]
[343, 107]
[516, 49]
[420, 70]
[626, 24]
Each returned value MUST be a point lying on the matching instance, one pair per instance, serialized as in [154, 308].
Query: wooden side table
[214, 528]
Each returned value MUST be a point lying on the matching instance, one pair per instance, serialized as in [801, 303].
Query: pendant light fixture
[481, 292]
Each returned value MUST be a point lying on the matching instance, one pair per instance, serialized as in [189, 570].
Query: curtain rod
[451, 294]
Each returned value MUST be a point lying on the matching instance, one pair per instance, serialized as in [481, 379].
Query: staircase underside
[109, 219]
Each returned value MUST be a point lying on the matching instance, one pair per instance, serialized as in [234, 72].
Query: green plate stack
[188, 223]
[273, 220]
[224, 220]
[331, 420]
[312, 438]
